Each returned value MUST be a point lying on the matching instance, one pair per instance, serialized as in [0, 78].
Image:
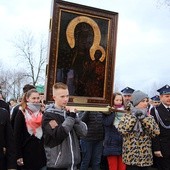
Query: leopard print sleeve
[150, 126]
[126, 124]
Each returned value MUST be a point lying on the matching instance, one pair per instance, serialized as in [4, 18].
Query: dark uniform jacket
[161, 142]
[7, 147]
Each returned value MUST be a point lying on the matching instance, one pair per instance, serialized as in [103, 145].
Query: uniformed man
[127, 94]
[155, 100]
[161, 143]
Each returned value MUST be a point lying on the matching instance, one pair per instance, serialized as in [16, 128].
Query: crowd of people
[133, 135]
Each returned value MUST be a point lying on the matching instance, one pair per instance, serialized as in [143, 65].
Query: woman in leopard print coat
[137, 129]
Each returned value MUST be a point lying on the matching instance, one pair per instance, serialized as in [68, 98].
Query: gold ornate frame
[82, 48]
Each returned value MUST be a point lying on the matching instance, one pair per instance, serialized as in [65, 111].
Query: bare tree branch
[34, 59]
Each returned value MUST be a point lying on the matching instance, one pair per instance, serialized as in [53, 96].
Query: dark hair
[19, 99]
[13, 99]
[28, 87]
[117, 94]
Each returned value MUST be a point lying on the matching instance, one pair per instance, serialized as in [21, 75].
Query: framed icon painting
[82, 50]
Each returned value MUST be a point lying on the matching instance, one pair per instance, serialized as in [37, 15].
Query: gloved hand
[140, 114]
[71, 114]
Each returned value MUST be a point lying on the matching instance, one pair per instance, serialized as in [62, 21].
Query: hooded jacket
[61, 143]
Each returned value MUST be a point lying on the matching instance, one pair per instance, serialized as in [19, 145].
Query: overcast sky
[143, 39]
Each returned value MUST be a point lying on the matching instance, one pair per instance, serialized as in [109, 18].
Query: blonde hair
[59, 85]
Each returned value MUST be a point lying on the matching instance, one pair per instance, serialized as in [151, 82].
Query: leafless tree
[32, 54]
[11, 82]
[17, 81]
[167, 2]
[164, 2]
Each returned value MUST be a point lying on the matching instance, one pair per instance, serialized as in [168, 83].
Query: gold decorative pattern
[79, 100]
[97, 35]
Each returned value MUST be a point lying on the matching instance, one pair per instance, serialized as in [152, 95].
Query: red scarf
[33, 122]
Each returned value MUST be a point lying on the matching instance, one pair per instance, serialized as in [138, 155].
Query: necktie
[168, 109]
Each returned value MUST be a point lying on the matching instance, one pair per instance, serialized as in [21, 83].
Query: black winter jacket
[94, 121]
[7, 147]
[30, 148]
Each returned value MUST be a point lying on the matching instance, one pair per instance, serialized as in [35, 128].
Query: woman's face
[33, 98]
[143, 104]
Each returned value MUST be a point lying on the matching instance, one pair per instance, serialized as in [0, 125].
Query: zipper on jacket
[57, 157]
[72, 154]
